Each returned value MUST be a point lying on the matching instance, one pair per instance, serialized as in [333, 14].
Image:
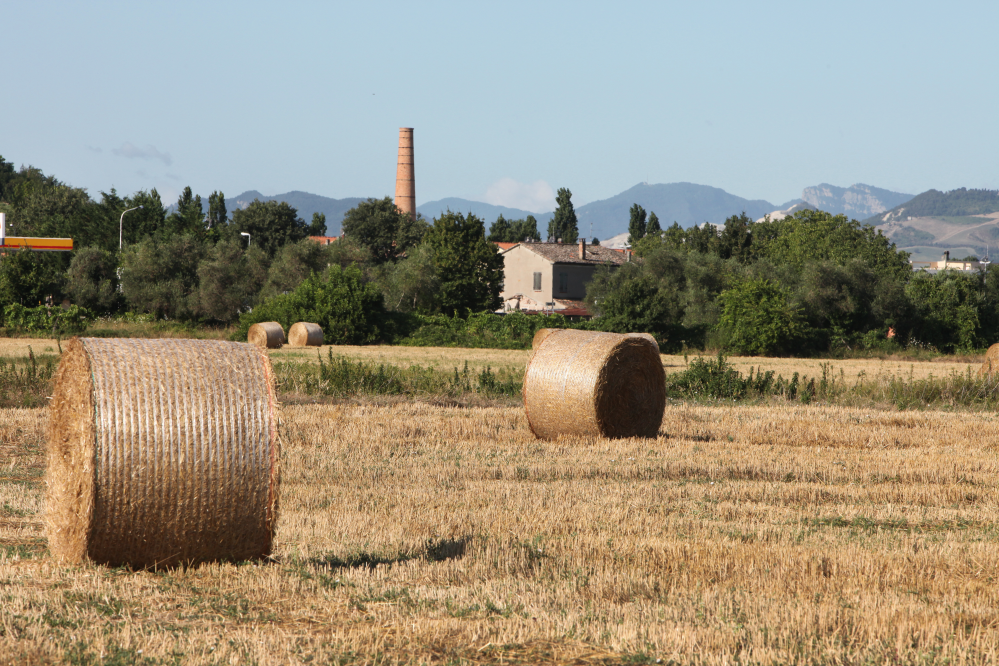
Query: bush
[757, 318]
[45, 320]
[349, 310]
[92, 281]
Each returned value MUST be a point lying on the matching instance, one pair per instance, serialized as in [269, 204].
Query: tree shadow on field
[435, 550]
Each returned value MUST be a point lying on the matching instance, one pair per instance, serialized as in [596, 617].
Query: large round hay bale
[648, 336]
[162, 452]
[589, 383]
[541, 335]
[267, 334]
[991, 365]
[304, 334]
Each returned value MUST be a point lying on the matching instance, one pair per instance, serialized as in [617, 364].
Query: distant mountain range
[306, 203]
[685, 203]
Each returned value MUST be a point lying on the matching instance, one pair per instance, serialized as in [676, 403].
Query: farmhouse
[553, 276]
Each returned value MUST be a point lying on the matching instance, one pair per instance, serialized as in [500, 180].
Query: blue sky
[509, 101]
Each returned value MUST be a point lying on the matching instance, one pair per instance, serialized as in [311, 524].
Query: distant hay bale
[304, 334]
[162, 452]
[991, 365]
[541, 335]
[590, 383]
[267, 334]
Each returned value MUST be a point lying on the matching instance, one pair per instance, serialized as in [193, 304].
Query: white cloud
[537, 197]
[148, 153]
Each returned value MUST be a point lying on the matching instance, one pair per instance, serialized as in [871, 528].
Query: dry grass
[413, 533]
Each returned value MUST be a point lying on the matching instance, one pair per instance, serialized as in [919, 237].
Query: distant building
[945, 264]
[324, 240]
[552, 277]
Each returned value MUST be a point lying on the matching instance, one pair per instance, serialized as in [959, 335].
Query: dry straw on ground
[991, 364]
[162, 452]
[304, 334]
[267, 334]
[590, 383]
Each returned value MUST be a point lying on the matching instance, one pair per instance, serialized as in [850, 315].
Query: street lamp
[121, 222]
[243, 233]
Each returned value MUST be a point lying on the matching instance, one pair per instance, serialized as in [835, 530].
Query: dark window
[537, 282]
[563, 283]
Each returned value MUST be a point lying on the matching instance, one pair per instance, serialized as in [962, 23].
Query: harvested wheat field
[412, 533]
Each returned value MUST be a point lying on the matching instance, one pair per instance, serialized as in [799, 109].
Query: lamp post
[243, 233]
[121, 222]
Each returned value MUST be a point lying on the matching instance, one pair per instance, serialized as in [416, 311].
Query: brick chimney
[582, 248]
[405, 175]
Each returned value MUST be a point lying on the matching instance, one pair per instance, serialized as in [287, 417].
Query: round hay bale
[589, 383]
[162, 452]
[991, 364]
[267, 334]
[542, 335]
[647, 336]
[304, 334]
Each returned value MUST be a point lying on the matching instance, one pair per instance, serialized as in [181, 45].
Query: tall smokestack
[405, 176]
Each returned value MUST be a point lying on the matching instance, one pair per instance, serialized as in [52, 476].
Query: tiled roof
[564, 253]
[503, 245]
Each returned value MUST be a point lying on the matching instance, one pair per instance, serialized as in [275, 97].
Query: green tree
[271, 225]
[293, 264]
[758, 318]
[468, 267]
[736, 239]
[229, 278]
[189, 218]
[161, 276]
[500, 231]
[318, 225]
[526, 229]
[636, 224]
[949, 310]
[653, 225]
[91, 280]
[148, 221]
[217, 214]
[29, 278]
[411, 285]
[564, 224]
[380, 226]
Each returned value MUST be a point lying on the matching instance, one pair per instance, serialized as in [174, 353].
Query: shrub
[757, 318]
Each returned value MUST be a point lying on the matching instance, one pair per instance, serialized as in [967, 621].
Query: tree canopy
[380, 226]
[564, 224]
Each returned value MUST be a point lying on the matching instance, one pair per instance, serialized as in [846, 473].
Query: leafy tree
[386, 231]
[29, 278]
[271, 225]
[736, 239]
[148, 221]
[468, 267]
[293, 264]
[217, 215]
[411, 285]
[526, 229]
[189, 216]
[318, 225]
[91, 280]
[640, 297]
[949, 310]
[653, 225]
[500, 231]
[636, 225]
[7, 174]
[564, 224]
[758, 318]
[161, 276]
[349, 309]
[229, 278]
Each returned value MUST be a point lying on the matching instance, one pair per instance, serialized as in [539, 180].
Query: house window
[563, 283]
[537, 282]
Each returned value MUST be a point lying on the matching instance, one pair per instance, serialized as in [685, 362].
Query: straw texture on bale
[162, 452]
[648, 336]
[590, 383]
[268, 334]
[991, 364]
[304, 334]
[541, 335]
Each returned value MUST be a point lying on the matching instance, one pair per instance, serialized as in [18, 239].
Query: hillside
[685, 203]
[484, 211]
[934, 203]
[304, 202]
[856, 202]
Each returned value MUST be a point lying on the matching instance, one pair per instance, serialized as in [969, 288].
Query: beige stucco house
[552, 276]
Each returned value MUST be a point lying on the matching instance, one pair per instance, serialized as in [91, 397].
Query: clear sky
[509, 100]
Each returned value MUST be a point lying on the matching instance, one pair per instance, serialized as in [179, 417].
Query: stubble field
[413, 533]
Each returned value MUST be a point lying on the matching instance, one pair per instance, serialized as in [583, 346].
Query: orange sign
[37, 244]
